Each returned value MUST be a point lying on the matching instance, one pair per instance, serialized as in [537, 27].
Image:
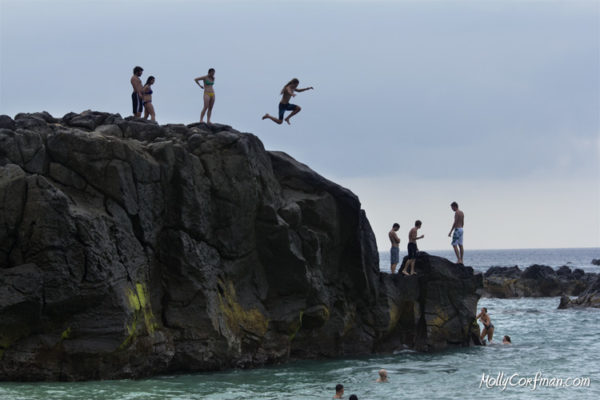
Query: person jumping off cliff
[285, 105]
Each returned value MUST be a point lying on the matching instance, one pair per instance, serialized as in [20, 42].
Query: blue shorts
[457, 237]
[394, 255]
[412, 250]
[285, 107]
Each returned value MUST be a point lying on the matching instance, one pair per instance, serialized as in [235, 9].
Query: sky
[492, 104]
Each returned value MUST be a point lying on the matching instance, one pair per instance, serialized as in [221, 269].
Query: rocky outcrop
[129, 249]
[596, 261]
[535, 281]
[590, 298]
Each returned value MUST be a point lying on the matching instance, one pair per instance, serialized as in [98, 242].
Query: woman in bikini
[488, 327]
[209, 93]
[285, 105]
[147, 99]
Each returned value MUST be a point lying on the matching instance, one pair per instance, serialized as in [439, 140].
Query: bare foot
[288, 121]
[265, 116]
[405, 273]
[413, 273]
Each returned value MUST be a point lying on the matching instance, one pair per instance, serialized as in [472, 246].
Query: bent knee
[298, 108]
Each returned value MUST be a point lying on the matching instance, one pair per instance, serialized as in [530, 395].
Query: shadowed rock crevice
[129, 249]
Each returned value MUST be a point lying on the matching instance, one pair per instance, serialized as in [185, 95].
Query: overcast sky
[493, 104]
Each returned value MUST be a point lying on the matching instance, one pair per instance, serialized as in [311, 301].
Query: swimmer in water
[488, 327]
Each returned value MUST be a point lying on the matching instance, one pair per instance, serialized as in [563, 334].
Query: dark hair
[338, 387]
[396, 225]
[294, 81]
[417, 223]
[137, 69]
[150, 78]
[211, 69]
[484, 309]
[507, 338]
[352, 397]
[454, 204]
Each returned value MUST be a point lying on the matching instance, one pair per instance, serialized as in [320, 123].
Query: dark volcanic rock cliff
[129, 249]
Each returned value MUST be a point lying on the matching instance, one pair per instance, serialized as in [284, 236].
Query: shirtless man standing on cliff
[457, 227]
[412, 249]
[395, 250]
[136, 96]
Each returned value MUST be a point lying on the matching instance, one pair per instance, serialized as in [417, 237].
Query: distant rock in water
[596, 261]
[590, 298]
[535, 281]
[129, 249]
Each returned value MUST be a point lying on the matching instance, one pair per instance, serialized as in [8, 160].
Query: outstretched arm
[302, 90]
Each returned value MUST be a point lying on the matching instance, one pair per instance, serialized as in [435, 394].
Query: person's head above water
[382, 375]
[339, 388]
[506, 339]
[352, 397]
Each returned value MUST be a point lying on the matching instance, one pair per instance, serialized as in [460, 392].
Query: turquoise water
[556, 343]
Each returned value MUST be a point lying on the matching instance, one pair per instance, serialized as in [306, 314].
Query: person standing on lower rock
[412, 249]
[457, 237]
[395, 250]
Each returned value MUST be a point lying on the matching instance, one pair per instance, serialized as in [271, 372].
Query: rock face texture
[129, 249]
[535, 281]
[590, 298]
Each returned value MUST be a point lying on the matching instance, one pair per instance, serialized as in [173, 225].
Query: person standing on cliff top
[395, 250]
[412, 249]
[147, 99]
[136, 96]
[209, 93]
[285, 105]
[457, 227]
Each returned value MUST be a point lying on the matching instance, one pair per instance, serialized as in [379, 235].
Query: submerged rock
[129, 249]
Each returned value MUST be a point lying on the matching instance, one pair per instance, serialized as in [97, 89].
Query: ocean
[554, 355]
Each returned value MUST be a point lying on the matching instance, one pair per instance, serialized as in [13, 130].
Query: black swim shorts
[412, 250]
[285, 107]
[137, 103]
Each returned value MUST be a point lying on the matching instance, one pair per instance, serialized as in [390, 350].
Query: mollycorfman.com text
[539, 380]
